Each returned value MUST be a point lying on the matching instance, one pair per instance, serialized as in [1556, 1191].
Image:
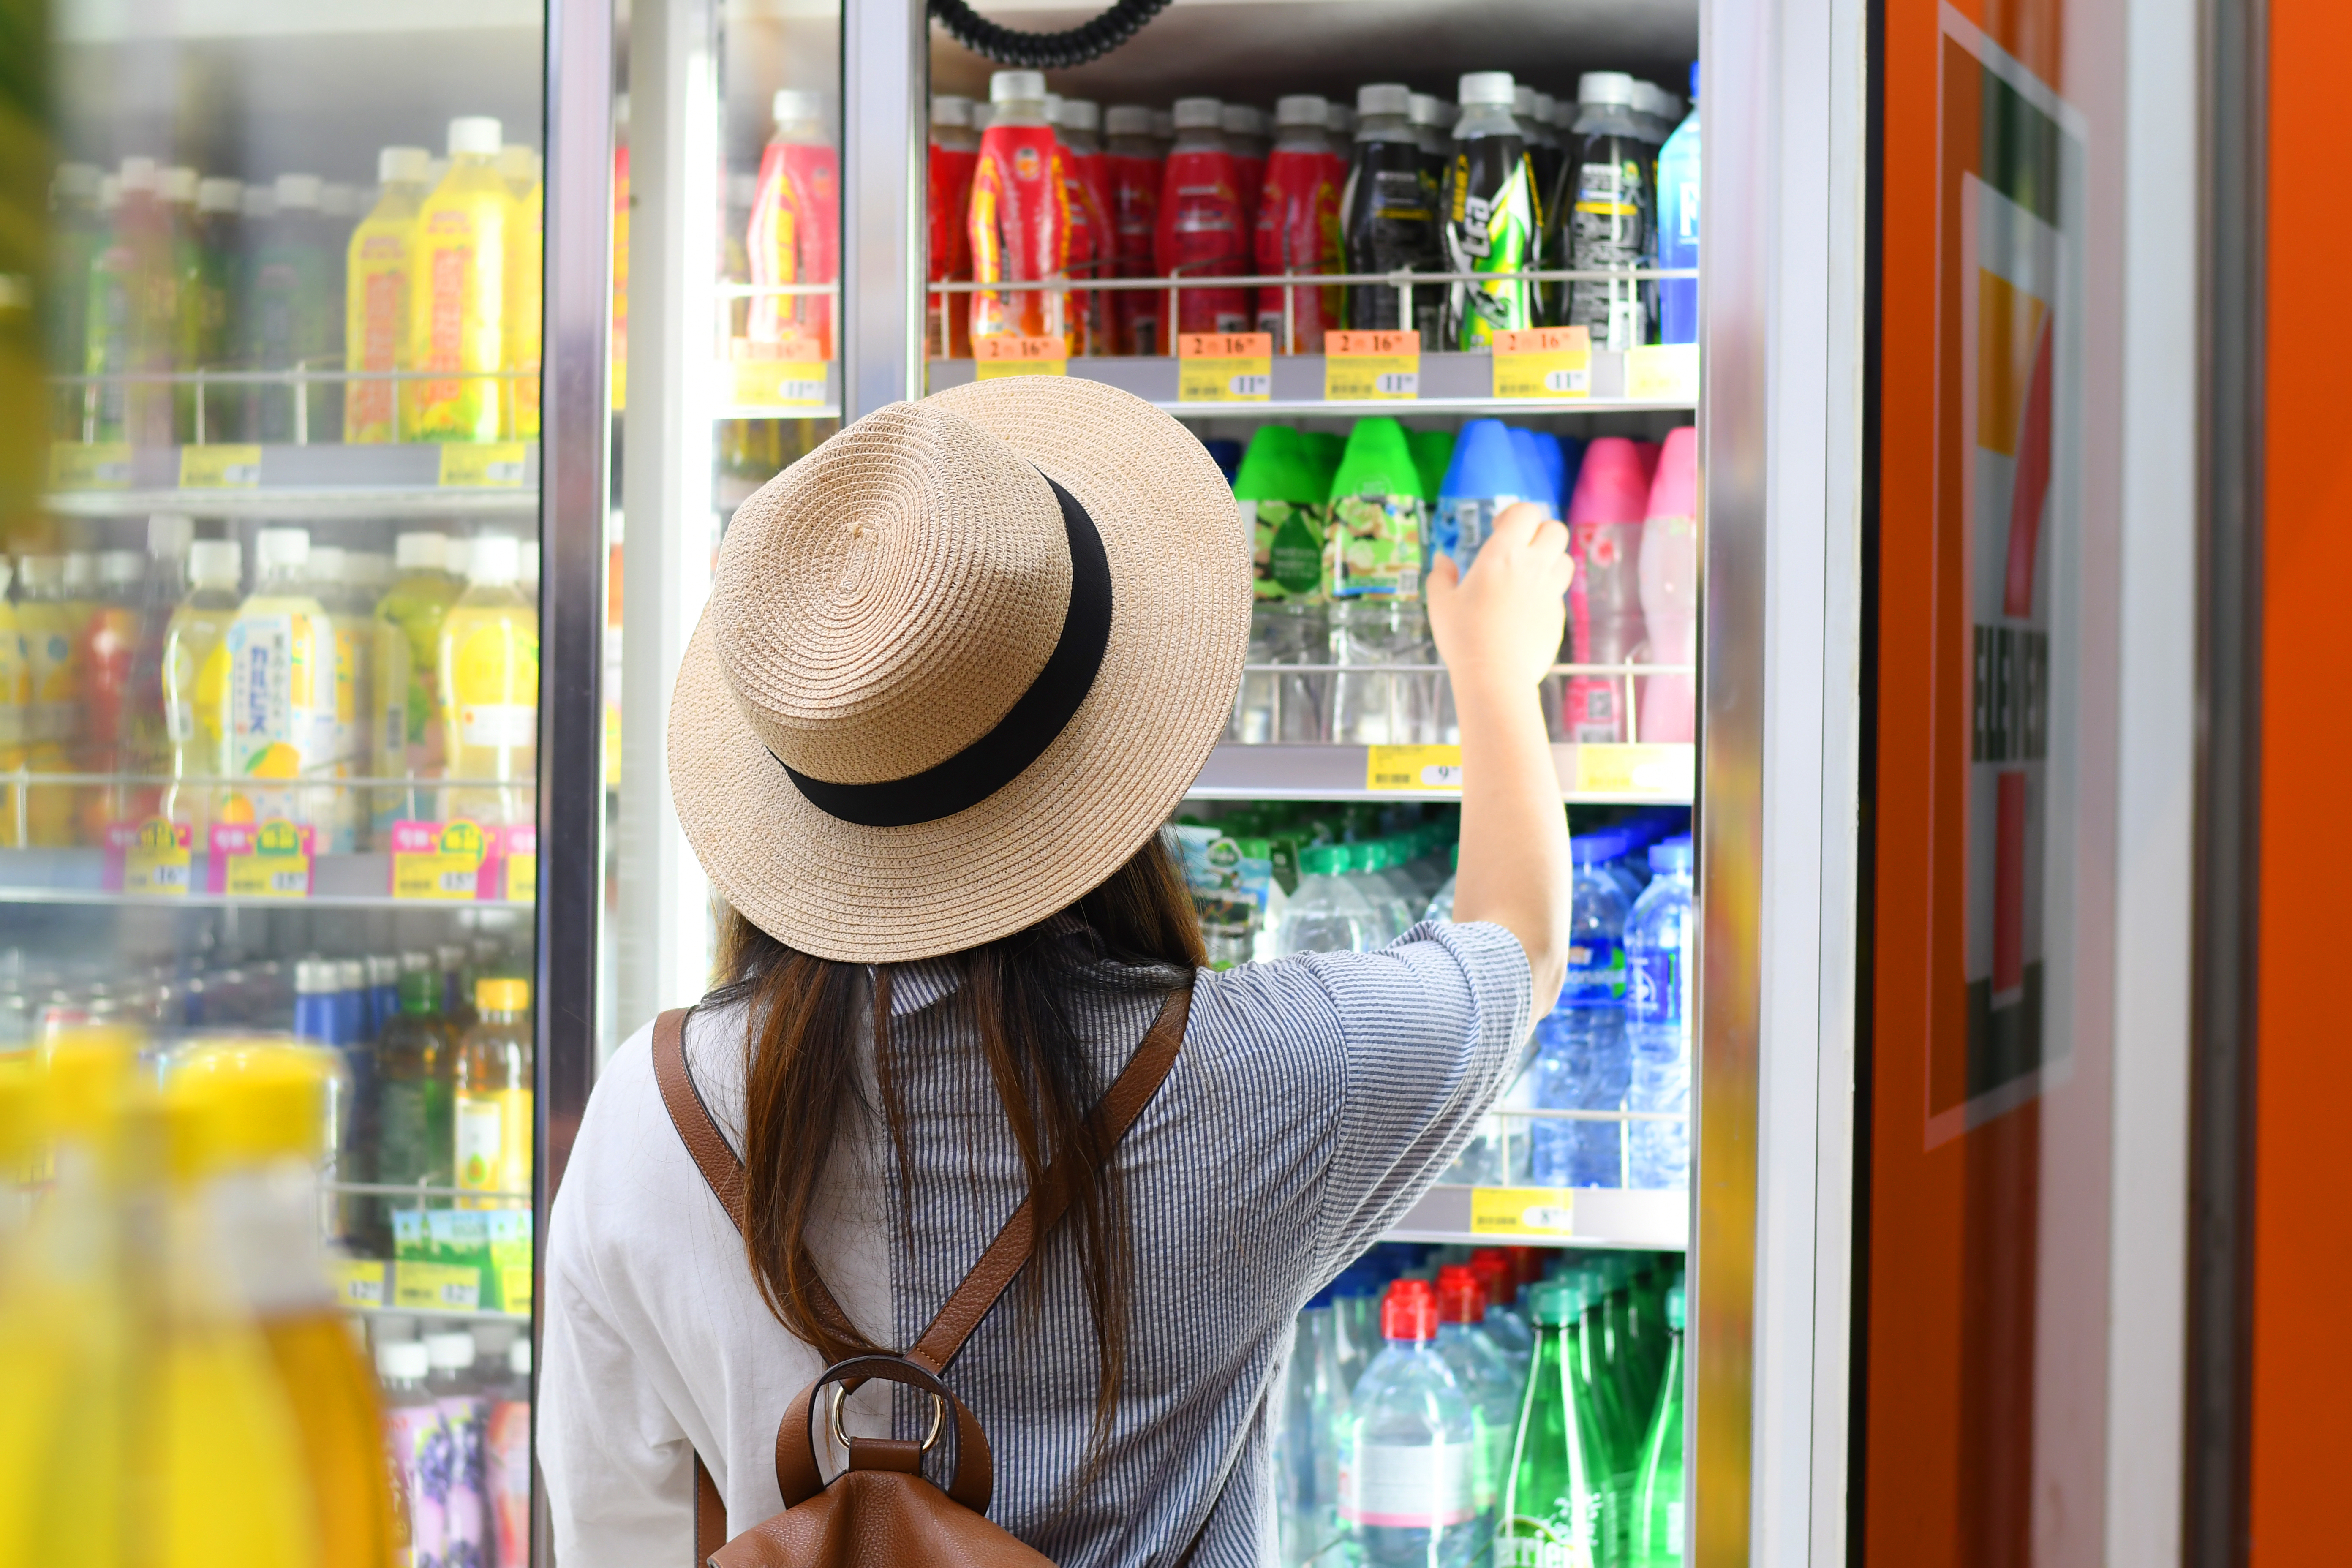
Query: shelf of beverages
[274, 480]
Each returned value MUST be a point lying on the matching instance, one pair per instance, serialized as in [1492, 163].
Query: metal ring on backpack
[939, 1418]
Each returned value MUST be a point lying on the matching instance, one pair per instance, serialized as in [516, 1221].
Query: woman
[959, 666]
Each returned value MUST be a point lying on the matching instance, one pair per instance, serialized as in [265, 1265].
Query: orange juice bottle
[520, 168]
[380, 278]
[490, 687]
[458, 308]
[491, 1108]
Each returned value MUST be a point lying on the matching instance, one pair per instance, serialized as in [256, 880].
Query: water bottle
[1408, 1468]
[1313, 1404]
[1505, 1324]
[1593, 999]
[1388, 858]
[1489, 1378]
[1441, 903]
[1328, 912]
[1658, 1015]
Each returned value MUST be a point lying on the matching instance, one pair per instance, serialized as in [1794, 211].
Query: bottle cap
[792, 105]
[1612, 485]
[351, 975]
[168, 533]
[403, 164]
[135, 174]
[77, 182]
[120, 568]
[258, 202]
[1674, 484]
[1323, 859]
[1674, 855]
[403, 1360]
[518, 1358]
[1546, 109]
[1461, 1298]
[1053, 108]
[1523, 102]
[1199, 114]
[41, 573]
[1678, 1310]
[337, 199]
[420, 552]
[1648, 97]
[1016, 87]
[1128, 120]
[1599, 88]
[501, 996]
[491, 1341]
[316, 977]
[1163, 125]
[528, 566]
[494, 560]
[451, 1352]
[176, 184]
[215, 195]
[420, 990]
[517, 164]
[1080, 114]
[1694, 81]
[276, 547]
[1422, 109]
[1408, 1312]
[1596, 848]
[452, 954]
[296, 193]
[1301, 108]
[384, 968]
[1492, 88]
[475, 135]
[215, 562]
[81, 573]
[947, 109]
[1237, 120]
[1384, 97]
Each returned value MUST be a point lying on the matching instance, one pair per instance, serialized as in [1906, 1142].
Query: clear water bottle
[1384, 861]
[1593, 1003]
[1328, 911]
[1487, 1375]
[1311, 1414]
[1408, 1481]
[1441, 903]
[1658, 1015]
[1505, 1324]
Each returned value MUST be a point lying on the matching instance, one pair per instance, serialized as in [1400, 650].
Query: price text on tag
[485, 465]
[1522, 1211]
[260, 861]
[1414, 769]
[447, 1285]
[1668, 769]
[1544, 362]
[1371, 366]
[1225, 367]
[149, 858]
[775, 383]
[89, 465]
[221, 467]
[1661, 373]
[1009, 353]
[437, 861]
[360, 1282]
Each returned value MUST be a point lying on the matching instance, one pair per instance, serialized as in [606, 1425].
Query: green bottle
[1555, 1501]
[1657, 1510]
[1432, 451]
[1283, 504]
[1374, 546]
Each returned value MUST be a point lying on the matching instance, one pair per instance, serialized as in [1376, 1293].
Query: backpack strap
[709, 1515]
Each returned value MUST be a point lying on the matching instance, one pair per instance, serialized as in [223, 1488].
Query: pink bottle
[795, 233]
[1202, 230]
[1604, 598]
[1298, 221]
[1670, 589]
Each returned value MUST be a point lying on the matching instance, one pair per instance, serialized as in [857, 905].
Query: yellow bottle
[457, 313]
[520, 167]
[492, 1117]
[16, 710]
[281, 689]
[408, 731]
[380, 274]
[354, 660]
[489, 685]
[195, 682]
[46, 623]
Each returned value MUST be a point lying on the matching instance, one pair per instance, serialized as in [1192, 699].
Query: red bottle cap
[1408, 1312]
[1496, 1271]
[1461, 1298]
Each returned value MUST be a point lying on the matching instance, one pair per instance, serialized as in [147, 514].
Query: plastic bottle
[1441, 903]
[407, 734]
[1205, 230]
[1328, 912]
[1093, 245]
[1677, 227]
[1389, 217]
[109, 641]
[489, 685]
[795, 234]
[1284, 505]
[282, 690]
[1019, 220]
[1657, 1502]
[1313, 1411]
[1421, 113]
[133, 320]
[1134, 170]
[290, 315]
[506, 1462]
[143, 735]
[949, 157]
[195, 317]
[1483, 478]
[15, 704]
[1493, 220]
[380, 275]
[1555, 1504]
[1605, 624]
[44, 623]
[419, 1446]
[1486, 1376]
[194, 677]
[1243, 129]
[491, 1098]
[415, 1083]
[1593, 1007]
[1372, 565]
[1408, 1467]
[1534, 112]
[1604, 206]
[1541, 460]
[458, 304]
[74, 237]
[464, 1414]
[1433, 454]
[1658, 1015]
[1507, 1325]
[1297, 225]
[1368, 866]
[1669, 589]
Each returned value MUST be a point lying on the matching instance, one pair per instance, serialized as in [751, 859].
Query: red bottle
[1093, 244]
[1201, 231]
[954, 152]
[1298, 223]
[795, 233]
[1020, 222]
[1244, 132]
[1135, 169]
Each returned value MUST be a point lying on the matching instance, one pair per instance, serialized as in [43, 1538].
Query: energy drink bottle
[380, 273]
[1087, 181]
[457, 305]
[954, 148]
[795, 234]
[1389, 216]
[1135, 169]
[1298, 226]
[1436, 149]
[1493, 218]
[1020, 215]
[1202, 230]
[1603, 208]
[520, 168]
[1533, 111]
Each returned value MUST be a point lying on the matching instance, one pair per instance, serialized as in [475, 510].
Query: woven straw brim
[1180, 628]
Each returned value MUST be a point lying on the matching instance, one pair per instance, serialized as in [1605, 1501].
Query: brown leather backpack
[882, 1510]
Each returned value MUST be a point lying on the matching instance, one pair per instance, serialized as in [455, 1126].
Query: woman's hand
[1500, 626]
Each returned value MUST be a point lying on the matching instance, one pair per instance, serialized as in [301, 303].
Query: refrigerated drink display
[1678, 223]
[1202, 230]
[952, 153]
[1603, 210]
[1493, 216]
[1390, 215]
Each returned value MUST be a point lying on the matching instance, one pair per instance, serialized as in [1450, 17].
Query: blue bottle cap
[1597, 849]
[1674, 855]
[1538, 472]
[1555, 467]
[1694, 91]
[1485, 465]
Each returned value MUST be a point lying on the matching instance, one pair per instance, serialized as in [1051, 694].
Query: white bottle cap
[495, 560]
[1648, 97]
[1080, 114]
[41, 572]
[177, 184]
[1422, 110]
[791, 104]
[1128, 120]
[215, 562]
[81, 571]
[1523, 100]
[518, 162]
[491, 1341]
[421, 551]
[1488, 87]
[351, 975]
[1342, 120]
[405, 164]
[1199, 114]
[258, 202]
[297, 191]
[1384, 97]
[1302, 109]
[1546, 109]
[947, 109]
[1016, 87]
[518, 1358]
[475, 135]
[135, 174]
[168, 533]
[337, 199]
[121, 568]
[1053, 109]
[455, 556]
[326, 564]
[219, 195]
[405, 1360]
[1605, 86]
[1235, 118]
[276, 547]
[1163, 125]
[528, 564]
[450, 1352]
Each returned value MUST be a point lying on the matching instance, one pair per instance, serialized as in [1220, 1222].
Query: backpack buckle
[938, 1417]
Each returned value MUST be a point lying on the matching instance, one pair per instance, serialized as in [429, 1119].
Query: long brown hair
[1137, 932]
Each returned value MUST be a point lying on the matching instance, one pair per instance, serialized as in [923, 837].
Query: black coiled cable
[1045, 51]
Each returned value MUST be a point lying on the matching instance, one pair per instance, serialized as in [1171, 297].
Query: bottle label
[461, 1417]
[493, 1141]
[420, 1456]
[1414, 1485]
[507, 1470]
[497, 665]
[1532, 1544]
[1285, 548]
[276, 716]
[1596, 973]
[1653, 988]
[1374, 547]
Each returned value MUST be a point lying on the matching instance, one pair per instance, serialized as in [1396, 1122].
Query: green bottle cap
[420, 992]
[1675, 1308]
[1432, 450]
[1377, 462]
[1321, 449]
[1323, 859]
[1547, 1303]
[1277, 468]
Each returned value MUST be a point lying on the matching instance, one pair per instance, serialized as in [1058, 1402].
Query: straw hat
[958, 664]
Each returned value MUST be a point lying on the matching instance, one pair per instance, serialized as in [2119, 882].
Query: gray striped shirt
[1314, 1100]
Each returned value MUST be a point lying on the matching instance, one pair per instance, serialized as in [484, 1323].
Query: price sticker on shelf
[89, 465]
[1371, 366]
[436, 1287]
[1010, 353]
[1522, 1211]
[1225, 367]
[220, 467]
[517, 880]
[147, 859]
[268, 859]
[1652, 768]
[360, 1282]
[1661, 373]
[787, 374]
[1414, 769]
[485, 465]
[437, 860]
[1544, 362]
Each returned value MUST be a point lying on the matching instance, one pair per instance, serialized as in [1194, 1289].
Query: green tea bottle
[1372, 570]
[1283, 504]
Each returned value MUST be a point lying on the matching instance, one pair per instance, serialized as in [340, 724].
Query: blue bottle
[1228, 456]
[1658, 1015]
[1586, 1030]
[383, 992]
[1557, 456]
[1543, 475]
[1678, 166]
[1484, 477]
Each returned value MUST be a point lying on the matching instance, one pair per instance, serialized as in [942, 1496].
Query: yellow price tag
[1371, 366]
[359, 1281]
[221, 467]
[1009, 353]
[1225, 367]
[1414, 769]
[1651, 768]
[1661, 373]
[522, 877]
[269, 861]
[1544, 362]
[89, 465]
[764, 382]
[154, 856]
[437, 861]
[1522, 1211]
[485, 465]
[445, 1287]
